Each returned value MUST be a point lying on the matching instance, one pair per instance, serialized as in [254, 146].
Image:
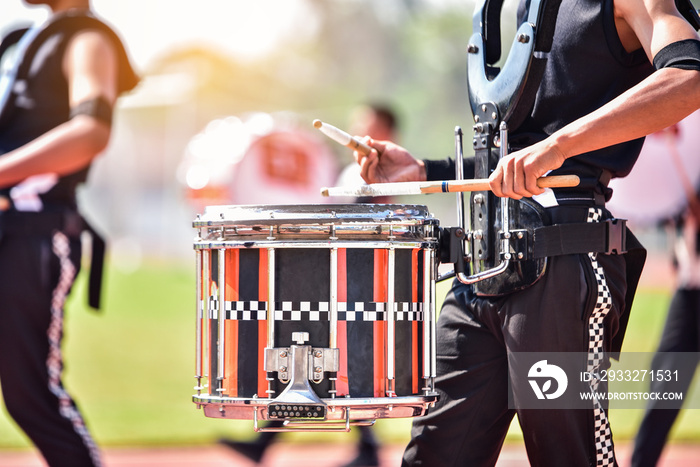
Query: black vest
[587, 67]
[41, 101]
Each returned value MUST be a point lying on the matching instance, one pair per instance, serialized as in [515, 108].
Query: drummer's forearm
[664, 98]
[63, 150]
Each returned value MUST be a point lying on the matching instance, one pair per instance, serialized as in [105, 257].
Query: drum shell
[302, 290]
[301, 279]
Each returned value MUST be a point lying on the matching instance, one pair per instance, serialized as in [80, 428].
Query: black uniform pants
[678, 349]
[36, 275]
[468, 425]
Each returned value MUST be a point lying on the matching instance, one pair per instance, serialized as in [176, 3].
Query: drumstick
[339, 136]
[442, 186]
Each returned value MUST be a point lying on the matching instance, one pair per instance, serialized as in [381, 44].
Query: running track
[305, 455]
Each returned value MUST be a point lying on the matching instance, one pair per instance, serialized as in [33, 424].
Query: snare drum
[315, 312]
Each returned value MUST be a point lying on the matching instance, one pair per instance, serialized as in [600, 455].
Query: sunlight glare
[244, 28]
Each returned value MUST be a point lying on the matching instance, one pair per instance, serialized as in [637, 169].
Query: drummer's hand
[516, 174]
[389, 162]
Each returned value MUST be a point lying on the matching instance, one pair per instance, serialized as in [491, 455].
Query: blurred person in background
[680, 340]
[375, 119]
[60, 83]
[371, 119]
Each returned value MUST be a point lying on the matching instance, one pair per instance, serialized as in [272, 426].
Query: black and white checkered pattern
[54, 363]
[316, 311]
[605, 454]
[603, 436]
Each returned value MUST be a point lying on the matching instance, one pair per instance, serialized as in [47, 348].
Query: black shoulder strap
[543, 44]
[70, 23]
[512, 89]
[11, 39]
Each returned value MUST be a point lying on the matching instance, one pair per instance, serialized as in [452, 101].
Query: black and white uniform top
[40, 101]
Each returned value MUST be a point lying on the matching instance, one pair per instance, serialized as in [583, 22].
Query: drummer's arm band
[681, 54]
[97, 107]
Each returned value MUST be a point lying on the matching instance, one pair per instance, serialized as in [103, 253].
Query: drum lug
[517, 244]
[320, 361]
[323, 360]
[277, 360]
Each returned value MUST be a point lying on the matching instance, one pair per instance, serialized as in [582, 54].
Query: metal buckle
[616, 243]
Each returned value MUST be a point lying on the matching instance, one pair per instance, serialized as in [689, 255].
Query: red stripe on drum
[262, 324]
[231, 326]
[414, 358]
[380, 295]
[231, 358]
[342, 384]
[206, 350]
[232, 275]
[380, 275]
[379, 359]
[415, 275]
[262, 276]
[205, 317]
[206, 329]
[262, 338]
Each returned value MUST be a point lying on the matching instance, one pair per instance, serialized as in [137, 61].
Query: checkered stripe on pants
[605, 454]
[54, 363]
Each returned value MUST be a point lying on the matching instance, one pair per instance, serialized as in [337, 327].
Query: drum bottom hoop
[359, 409]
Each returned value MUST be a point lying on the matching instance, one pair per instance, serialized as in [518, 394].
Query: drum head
[311, 213]
[337, 223]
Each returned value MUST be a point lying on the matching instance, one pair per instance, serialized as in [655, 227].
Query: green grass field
[131, 367]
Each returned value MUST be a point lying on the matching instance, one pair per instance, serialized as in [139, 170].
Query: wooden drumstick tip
[318, 123]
